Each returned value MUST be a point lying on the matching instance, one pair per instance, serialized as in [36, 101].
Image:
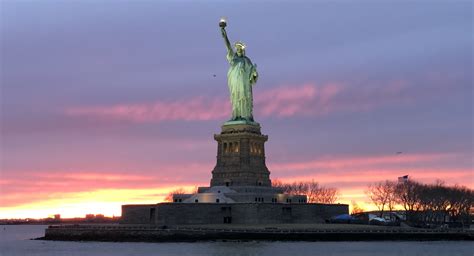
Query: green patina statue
[242, 75]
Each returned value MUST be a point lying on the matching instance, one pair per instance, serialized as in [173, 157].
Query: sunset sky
[105, 103]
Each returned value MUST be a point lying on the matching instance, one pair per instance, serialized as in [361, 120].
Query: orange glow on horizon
[107, 202]
[76, 194]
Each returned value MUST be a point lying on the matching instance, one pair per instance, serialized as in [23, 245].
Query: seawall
[148, 233]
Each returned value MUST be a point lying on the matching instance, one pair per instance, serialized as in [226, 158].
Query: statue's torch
[222, 23]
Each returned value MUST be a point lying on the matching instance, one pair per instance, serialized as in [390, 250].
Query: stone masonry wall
[242, 213]
[138, 214]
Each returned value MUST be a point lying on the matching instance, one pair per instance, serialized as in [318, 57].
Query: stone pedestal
[240, 156]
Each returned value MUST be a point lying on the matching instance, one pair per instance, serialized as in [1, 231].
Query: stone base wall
[326, 232]
[239, 213]
[138, 214]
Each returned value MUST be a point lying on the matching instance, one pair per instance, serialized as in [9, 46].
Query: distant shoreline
[324, 232]
[49, 224]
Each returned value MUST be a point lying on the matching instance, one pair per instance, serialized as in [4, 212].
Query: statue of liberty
[242, 75]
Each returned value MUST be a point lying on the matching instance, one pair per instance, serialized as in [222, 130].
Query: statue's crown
[240, 44]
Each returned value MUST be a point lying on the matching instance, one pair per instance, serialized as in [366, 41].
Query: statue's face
[240, 50]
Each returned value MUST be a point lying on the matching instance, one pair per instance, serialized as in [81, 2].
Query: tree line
[315, 192]
[426, 203]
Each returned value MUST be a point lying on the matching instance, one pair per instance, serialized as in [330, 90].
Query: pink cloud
[364, 177]
[344, 163]
[284, 101]
[198, 108]
[353, 171]
[303, 100]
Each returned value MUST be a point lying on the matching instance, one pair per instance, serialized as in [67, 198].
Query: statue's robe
[240, 81]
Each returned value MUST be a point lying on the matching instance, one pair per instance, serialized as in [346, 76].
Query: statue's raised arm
[230, 51]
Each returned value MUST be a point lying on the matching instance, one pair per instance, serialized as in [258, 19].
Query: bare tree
[312, 189]
[377, 195]
[382, 194]
[277, 183]
[178, 191]
[326, 195]
[426, 203]
[389, 190]
[434, 201]
[408, 195]
[461, 200]
[356, 208]
[295, 188]
[298, 188]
